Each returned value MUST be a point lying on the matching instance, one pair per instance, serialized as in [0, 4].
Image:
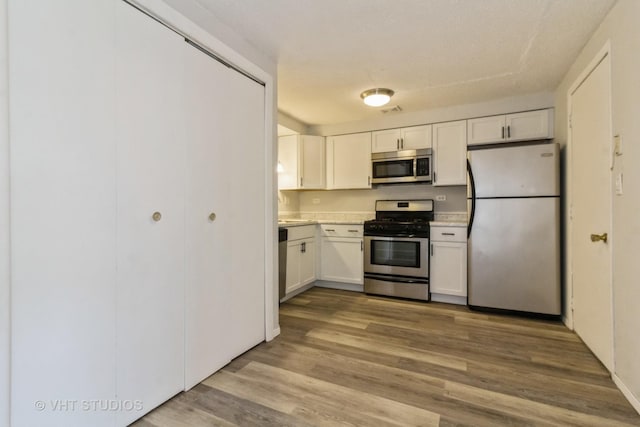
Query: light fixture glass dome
[376, 97]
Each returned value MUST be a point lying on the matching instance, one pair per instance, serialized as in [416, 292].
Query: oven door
[399, 256]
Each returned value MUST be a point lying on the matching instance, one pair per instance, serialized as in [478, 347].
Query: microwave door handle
[415, 168]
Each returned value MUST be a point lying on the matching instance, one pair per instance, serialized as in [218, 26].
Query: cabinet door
[207, 270]
[151, 156]
[308, 262]
[294, 253]
[385, 140]
[448, 268]
[416, 137]
[341, 260]
[486, 130]
[313, 165]
[350, 162]
[529, 125]
[450, 153]
[288, 178]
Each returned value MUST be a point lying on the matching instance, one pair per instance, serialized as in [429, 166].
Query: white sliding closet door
[63, 199]
[244, 125]
[151, 164]
[208, 191]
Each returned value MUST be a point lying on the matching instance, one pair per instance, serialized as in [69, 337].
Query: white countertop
[300, 222]
[447, 224]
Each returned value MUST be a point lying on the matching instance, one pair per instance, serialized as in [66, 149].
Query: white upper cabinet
[302, 162]
[415, 137]
[411, 138]
[450, 153]
[385, 140]
[529, 125]
[349, 161]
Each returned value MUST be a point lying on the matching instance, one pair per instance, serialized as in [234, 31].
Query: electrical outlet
[619, 184]
[441, 197]
[617, 145]
[315, 201]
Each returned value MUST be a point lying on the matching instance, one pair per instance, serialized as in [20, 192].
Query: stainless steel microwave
[405, 166]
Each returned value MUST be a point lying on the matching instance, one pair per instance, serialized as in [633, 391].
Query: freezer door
[514, 255]
[519, 171]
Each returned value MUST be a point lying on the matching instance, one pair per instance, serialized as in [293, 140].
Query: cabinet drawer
[301, 232]
[449, 234]
[341, 230]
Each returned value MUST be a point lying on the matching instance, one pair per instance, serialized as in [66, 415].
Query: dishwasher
[283, 235]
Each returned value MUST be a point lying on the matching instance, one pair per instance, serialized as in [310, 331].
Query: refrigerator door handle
[472, 184]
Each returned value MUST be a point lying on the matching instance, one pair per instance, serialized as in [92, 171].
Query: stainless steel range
[396, 249]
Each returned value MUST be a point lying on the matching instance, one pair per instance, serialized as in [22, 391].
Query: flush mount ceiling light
[376, 97]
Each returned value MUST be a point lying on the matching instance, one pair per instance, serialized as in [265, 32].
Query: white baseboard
[339, 285]
[627, 393]
[298, 291]
[274, 333]
[449, 299]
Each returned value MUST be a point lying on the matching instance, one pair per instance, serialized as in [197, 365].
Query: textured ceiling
[432, 53]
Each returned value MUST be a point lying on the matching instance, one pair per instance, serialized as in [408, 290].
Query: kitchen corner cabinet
[341, 253]
[410, 138]
[301, 257]
[449, 261]
[302, 159]
[450, 153]
[528, 125]
[349, 161]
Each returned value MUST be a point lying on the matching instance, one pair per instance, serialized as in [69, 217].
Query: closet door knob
[212, 216]
[157, 216]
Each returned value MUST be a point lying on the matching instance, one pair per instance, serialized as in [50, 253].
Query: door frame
[586, 72]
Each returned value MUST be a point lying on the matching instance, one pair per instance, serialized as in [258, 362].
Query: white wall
[364, 200]
[5, 274]
[622, 29]
[436, 115]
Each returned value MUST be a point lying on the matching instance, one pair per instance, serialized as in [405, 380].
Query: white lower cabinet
[301, 257]
[448, 278]
[341, 253]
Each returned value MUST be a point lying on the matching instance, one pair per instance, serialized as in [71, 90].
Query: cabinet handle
[369, 180]
[301, 181]
[157, 216]
[212, 216]
[402, 143]
[435, 177]
[432, 249]
[502, 132]
[448, 234]
[361, 245]
[303, 247]
[508, 131]
[330, 229]
[352, 231]
[397, 144]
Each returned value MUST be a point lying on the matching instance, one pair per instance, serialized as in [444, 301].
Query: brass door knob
[599, 237]
[212, 216]
[157, 216]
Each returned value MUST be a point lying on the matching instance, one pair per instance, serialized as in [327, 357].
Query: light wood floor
[344, 358]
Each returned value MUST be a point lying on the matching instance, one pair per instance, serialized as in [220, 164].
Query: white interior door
[208, 191]
[151, 155]
[244, 133]
[590, 111]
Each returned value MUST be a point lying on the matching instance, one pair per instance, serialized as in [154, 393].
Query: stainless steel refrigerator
[514, 228]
